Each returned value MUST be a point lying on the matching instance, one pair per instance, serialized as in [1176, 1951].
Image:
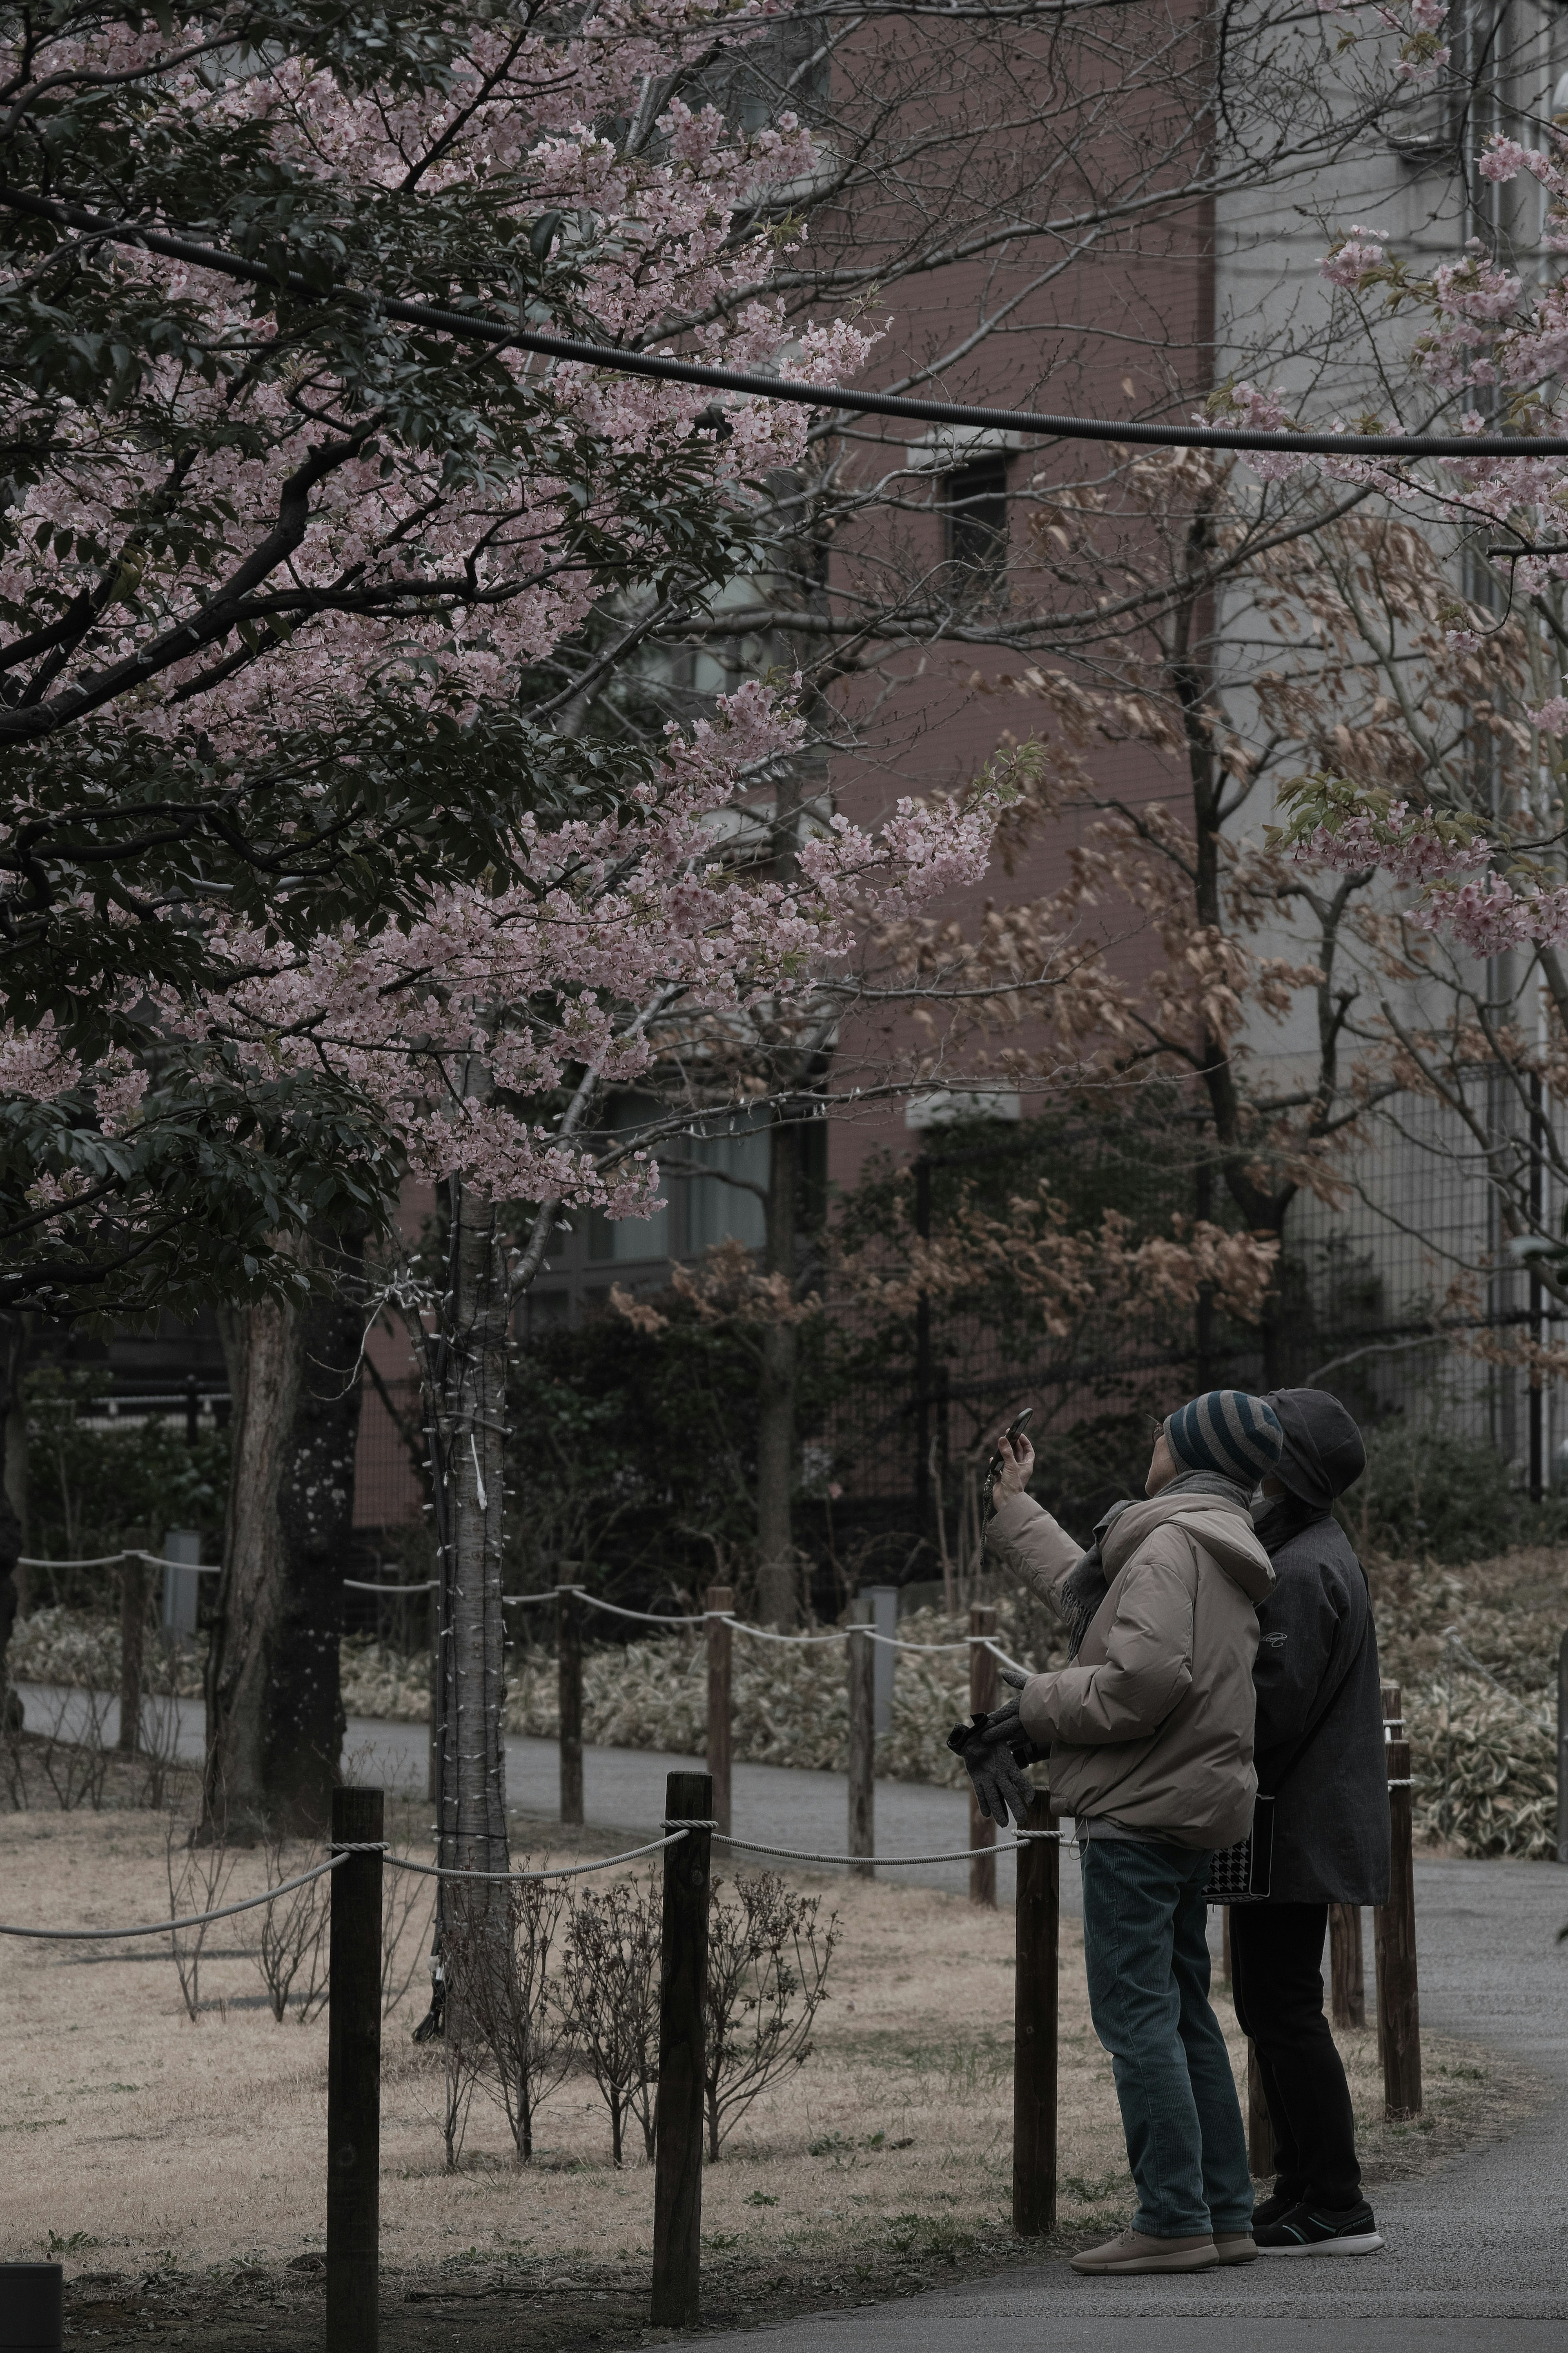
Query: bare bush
[198, 1878]
[609, 1998]
[292, 1949]
[74, 1753]
[510, 2006]
[768, 1958]
[158, 1737]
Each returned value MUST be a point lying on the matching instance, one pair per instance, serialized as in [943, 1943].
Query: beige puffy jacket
[1151, 1728]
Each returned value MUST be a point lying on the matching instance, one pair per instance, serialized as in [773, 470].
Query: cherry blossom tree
[277, 575]
[486, 1037]
[272, 565]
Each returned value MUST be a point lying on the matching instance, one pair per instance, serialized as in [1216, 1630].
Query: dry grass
[142, 2147]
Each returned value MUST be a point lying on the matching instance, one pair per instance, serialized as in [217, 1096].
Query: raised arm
[1036, 1546]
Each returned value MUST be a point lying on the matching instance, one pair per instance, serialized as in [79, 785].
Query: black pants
[1277, 1978]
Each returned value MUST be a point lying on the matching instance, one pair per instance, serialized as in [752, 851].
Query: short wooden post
[1037, 1933]
[1399, 2003]
[1563, 1750]
[353, 2081]
[682, 2003]
[32, 2307]
[569, 1663]
[132, 1634]
[860, 1669]
[1346, 1970]
[982, 1699]
[721, 1701]
[1259, 2125]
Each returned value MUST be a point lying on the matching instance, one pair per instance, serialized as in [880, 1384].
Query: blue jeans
[1147, 1957]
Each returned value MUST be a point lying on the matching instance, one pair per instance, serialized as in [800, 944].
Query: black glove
[995, 1748]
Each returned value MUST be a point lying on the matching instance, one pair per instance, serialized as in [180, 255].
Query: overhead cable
[475, 327]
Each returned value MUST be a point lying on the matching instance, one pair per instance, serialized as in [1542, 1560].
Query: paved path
[1476, 2256]
[623, 1788]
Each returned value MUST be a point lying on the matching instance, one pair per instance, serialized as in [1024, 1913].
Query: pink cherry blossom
[1487, 917]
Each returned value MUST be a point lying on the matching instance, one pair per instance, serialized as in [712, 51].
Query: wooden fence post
[721, 1701]
[1037, 1932]
[982, 1699]
[1259, 2125]
[1346, 1968]
[32, 2307]
[1563, 1750]
[682, 2005]
[860, 1669]
[569, 1666]
[353, 2081]
[1398, 2004]
[132, 1634]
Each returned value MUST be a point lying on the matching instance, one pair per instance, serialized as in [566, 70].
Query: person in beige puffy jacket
[1150, 1729]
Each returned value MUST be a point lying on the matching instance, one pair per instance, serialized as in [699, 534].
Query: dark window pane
[975, 498]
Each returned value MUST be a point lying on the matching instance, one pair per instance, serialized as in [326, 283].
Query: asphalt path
[623, 1788]
[1476, 2255]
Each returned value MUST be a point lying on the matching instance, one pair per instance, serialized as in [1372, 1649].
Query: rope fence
[556, 1593]
[105, 1560]
[191, 1920]
[709, 1616]
[890, 1862]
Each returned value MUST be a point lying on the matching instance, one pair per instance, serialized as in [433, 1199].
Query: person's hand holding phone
[1017, 1458]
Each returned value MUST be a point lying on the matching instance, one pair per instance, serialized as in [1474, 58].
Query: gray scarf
[1086, 1584]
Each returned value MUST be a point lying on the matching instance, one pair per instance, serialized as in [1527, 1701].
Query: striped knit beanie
[1227, 1432]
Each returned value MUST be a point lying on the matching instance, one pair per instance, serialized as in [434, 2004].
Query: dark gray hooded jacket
[1318, 1740]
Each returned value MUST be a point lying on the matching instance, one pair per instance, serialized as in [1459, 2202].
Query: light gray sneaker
[1130, 2250]
[1235, 2246]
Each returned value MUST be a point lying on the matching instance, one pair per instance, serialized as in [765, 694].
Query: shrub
[1426, 1492]
[609, 1998]
[768, 1958]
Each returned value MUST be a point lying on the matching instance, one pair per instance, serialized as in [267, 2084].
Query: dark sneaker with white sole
[1319, 2230]
[1272, 2209]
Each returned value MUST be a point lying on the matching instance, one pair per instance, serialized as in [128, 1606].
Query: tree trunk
[778, 1571]
[465, 1360]
[466, 1363]
[10, 1545]
[13, 1356]
[275, 1715]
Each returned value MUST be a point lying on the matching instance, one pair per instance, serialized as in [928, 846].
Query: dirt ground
[176, 2167]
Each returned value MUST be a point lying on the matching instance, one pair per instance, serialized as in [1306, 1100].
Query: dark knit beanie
[1227, 1432]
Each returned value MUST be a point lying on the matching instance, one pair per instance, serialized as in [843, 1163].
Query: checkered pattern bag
[1240, 1874]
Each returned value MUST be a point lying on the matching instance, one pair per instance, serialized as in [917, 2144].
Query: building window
[728, 1206]
[621, 1239]
[974, 502]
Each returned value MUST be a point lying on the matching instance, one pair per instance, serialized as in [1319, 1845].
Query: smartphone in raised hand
[1016, 1429]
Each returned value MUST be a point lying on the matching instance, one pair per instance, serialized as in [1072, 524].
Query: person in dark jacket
[1319, 1747]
